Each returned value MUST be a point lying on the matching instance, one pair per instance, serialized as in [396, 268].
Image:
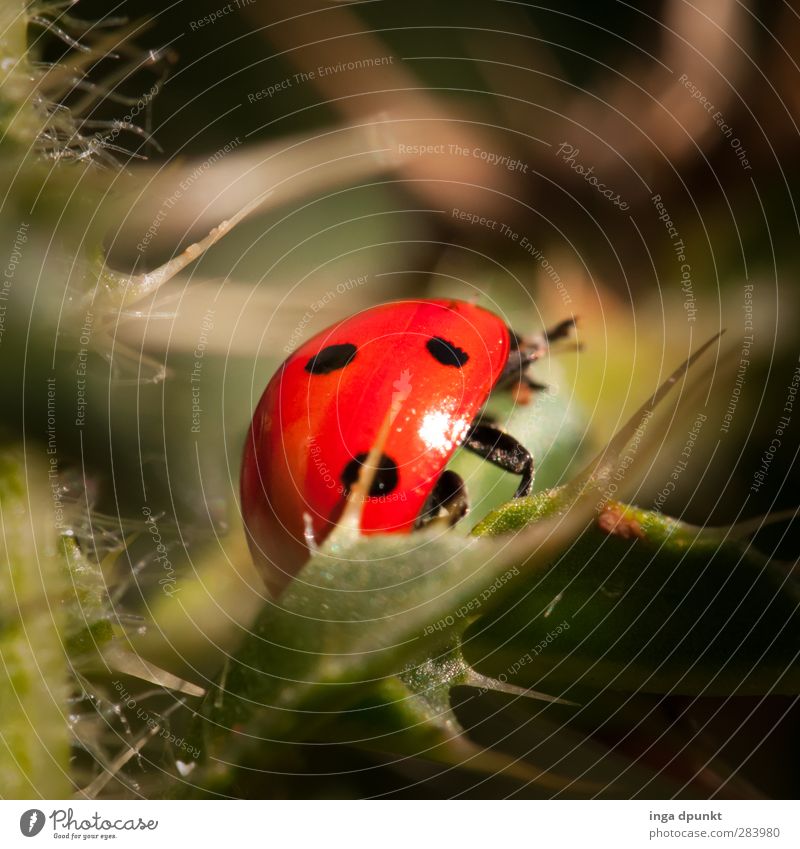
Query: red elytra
[422, 368]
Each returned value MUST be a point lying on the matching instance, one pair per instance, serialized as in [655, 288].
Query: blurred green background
[685, 112]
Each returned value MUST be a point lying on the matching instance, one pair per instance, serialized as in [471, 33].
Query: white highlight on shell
[440, 432]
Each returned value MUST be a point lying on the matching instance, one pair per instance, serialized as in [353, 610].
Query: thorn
[474, 679]
[142, 286]
[308, 534]
[744, 529]
[131, 664]
[91, 791]
[603, 465]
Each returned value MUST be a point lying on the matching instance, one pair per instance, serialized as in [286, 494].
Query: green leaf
[34, 734]
[362, 613]
[656, 606]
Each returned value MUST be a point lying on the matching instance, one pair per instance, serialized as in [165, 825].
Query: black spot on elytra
[331, 359]
[384, 481]
[446, 352]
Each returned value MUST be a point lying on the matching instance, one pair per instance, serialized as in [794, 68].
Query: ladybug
[410, 377]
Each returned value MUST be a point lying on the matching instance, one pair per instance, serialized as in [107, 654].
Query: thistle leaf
[35, 737]
[652, 604]
[362, 613]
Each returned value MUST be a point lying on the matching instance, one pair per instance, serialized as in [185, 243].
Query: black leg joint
[503, 451]
[449, 494]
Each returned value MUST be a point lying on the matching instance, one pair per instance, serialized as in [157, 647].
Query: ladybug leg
[523, 390]
[449, 494]
[502, 450]
[540, 346]
[560, 331]
[526, 351]
[533, 348]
